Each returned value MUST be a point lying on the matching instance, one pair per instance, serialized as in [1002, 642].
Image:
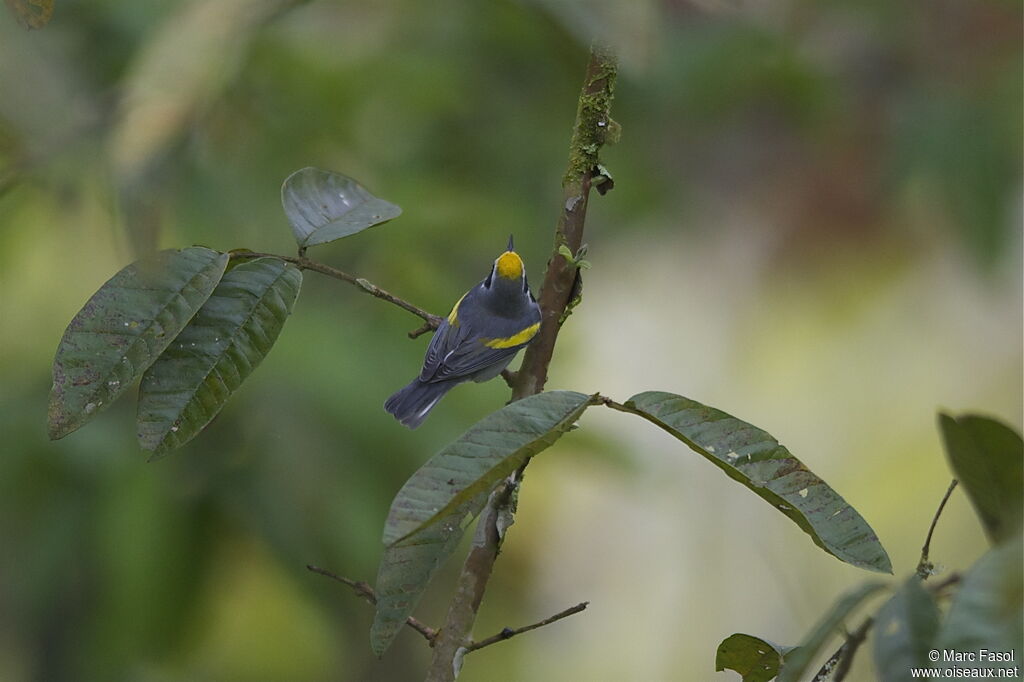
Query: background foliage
[815, 225]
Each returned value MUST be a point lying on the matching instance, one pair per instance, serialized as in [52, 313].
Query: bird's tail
[412, 404]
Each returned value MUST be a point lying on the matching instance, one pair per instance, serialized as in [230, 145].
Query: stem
[363, 589]
[842, 659]
[924, 566]
[431, 321]
[593, 127]
[508, 633]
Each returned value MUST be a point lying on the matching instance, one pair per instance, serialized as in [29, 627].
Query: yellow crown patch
[509, 265]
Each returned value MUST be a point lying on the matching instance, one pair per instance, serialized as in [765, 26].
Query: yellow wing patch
[453, 316]
[509, 265]
[514, 340]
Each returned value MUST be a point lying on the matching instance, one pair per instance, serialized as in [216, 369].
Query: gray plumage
[495, 311]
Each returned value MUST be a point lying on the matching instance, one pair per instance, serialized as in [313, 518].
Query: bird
[487, 326]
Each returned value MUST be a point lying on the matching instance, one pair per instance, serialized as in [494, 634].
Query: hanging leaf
[123, 328]
[408, 566]
[988, 459]
[905, 630]
[755, 659]
[323, 206]
[800, 659]
[429, 513]
[987, 611]
[754, 458]
[227, 339]
[492, 449]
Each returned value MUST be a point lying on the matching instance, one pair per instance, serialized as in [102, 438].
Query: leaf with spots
[755, 659]
[755, 459]
[226, 340]
[123, 328]
[431, 511]
[323, 206]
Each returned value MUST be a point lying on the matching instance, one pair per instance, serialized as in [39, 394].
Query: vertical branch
[593, 128]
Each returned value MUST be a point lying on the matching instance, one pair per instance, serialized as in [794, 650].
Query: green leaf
[227, 339]
[492, 449]
[123, 328]
[430, 512]
[755, 659]
[988, 459]
[905, 630]
[987, 611]
[799, 661]
[408, 566]
[323, 206]
[754, 458]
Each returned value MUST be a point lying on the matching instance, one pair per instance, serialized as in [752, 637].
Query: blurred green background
[816, 226]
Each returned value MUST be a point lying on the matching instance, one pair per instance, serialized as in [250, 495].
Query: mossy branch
[593, 129]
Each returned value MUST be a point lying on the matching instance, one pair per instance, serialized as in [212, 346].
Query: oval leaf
[754, 458]
[905, 630]
[988, 459]
[987, 611]
[323, 206]
[755, 659]
[431, 511]
[799, 661]
[408, 566]
[123, 328]
[492, 449]
[226, 340]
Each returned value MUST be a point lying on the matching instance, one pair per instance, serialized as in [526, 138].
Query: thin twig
[924, 566]
[842, 659]
[427, 326]
[508, 633]
[363, 589]
[431, 321]
[948, 581]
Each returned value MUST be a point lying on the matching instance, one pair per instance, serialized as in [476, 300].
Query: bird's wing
[457, 352]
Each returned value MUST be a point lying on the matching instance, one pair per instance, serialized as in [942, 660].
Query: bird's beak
[510, 243]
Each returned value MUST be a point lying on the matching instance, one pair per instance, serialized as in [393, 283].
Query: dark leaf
[754, 458]
[408, 566]
[227, 339]
[755, 659]
[905, 630]
[799, 661]
[988, 460]
[987, 611]
[492, 449]
[429, 513]
[123, 328]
